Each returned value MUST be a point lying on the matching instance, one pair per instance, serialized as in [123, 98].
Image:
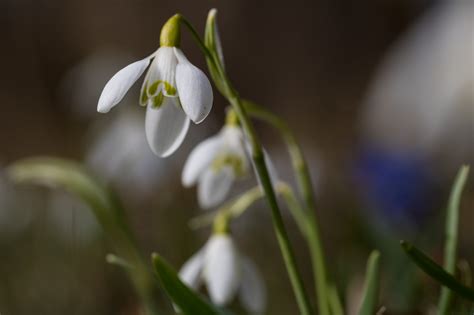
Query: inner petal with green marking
[169, 89]
[228, 159]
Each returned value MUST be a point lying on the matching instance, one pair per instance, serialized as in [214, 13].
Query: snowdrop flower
[226, 274]
[215, 163]
[174, 91]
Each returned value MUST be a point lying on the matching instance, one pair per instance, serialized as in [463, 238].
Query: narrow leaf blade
[451, 231]
[436, 272]
[372, 281]
[189, 302]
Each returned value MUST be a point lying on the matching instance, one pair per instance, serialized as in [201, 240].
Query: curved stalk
[261, 171]
[301, 171]
[264, 176]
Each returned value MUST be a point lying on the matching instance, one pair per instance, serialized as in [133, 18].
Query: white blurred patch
[422, 98]
[120, 154]
[81, 86]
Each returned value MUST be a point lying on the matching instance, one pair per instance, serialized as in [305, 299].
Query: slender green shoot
[451, 242]
[371, 287]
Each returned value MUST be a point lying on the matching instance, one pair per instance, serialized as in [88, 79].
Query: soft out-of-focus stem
[450, 247]
[107, 209]
[302, 174]
[233, 209]
[371, 286]
[335, 304]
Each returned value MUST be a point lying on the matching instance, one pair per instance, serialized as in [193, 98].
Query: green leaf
[211, 36]
[451, 231]
[213, 44]
[189, 302]
[72, 177]
[371, 287]
[68, 175]
[437, 272]
[335, 304]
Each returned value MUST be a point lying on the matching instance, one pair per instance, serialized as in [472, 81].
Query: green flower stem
[265, 181]
[262, 173]
[138, 271]
[300, 168]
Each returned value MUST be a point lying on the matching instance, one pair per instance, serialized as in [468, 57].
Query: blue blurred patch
[397, 186]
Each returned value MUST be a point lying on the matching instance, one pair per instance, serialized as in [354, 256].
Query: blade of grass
[437, 272]
[371, 288]
[335, 304]
[450, 247]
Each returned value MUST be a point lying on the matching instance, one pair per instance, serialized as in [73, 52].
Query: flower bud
[171, 32]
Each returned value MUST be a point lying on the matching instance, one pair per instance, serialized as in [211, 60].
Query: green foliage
[72, 177]
[371, 288]
[451, 231]
[445, 276]
[436, 272]
[185, 299]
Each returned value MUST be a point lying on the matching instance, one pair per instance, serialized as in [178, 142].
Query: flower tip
[103, 109]
[155, 258]
[199, 119]
[213, 12]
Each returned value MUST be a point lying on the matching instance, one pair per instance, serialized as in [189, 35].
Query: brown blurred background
[312, 62]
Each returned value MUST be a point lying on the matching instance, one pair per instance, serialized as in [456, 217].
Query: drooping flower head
[174, 91]
[216, 162]
[225, 273]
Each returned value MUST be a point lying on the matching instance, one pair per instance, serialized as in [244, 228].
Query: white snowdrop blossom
[215, 163]
[226, 274]
[174, 92]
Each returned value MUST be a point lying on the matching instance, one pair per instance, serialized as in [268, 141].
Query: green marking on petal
[232, 160]
[153, 88]
[170, 90]
[157, 101]
[144, 95]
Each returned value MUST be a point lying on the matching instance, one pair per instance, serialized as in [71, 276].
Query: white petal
[119, 84]
[194, 89]
[233, 136]
[191, 271]
[200, 158]
[222, 269]
[252, 292]
[165, 127]
[214, 186]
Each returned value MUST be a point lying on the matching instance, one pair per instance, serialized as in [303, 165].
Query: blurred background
[380, 93]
